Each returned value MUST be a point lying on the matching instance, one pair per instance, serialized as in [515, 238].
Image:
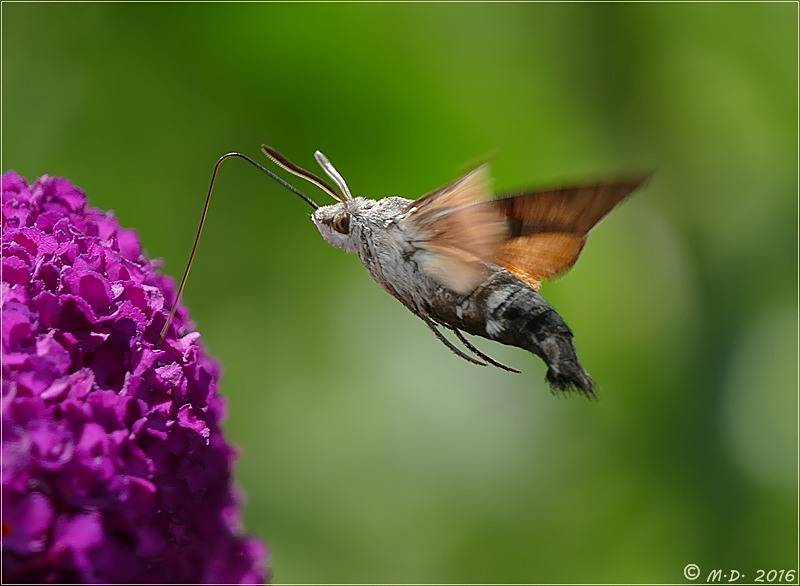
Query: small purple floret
[114, 467]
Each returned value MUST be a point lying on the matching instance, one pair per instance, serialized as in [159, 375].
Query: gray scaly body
[500, 308]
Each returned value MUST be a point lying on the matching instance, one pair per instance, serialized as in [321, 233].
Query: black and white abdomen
[505, 309]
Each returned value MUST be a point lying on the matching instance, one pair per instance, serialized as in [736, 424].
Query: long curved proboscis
[287, 165]
[222, 159]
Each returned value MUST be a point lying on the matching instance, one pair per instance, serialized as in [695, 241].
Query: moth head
[336, 224]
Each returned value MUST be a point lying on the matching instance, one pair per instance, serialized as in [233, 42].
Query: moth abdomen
[506, 310]
[531, 323]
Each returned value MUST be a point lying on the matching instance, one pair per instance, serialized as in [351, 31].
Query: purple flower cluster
[114, 467]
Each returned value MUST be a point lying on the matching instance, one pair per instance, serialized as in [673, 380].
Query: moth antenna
[222, 159]
[333, 174]
[287, 165]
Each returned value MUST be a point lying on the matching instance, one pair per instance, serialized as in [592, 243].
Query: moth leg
[448, 343]
[481, 354]
[432, 326]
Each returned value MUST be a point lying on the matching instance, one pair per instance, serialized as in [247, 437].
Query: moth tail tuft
[570, 377]
[556, 347]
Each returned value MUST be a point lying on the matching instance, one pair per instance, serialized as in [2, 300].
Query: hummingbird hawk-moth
[463, 260]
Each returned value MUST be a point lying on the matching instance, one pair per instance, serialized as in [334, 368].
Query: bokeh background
[370, 453]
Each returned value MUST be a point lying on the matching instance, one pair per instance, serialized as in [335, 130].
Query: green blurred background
[368, 451]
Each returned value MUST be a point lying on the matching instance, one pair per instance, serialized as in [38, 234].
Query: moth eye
[341, 223]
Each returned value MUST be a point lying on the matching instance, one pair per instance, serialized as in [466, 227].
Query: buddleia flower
[114, 465]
